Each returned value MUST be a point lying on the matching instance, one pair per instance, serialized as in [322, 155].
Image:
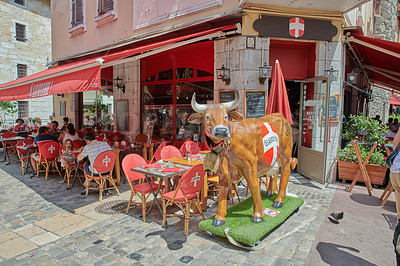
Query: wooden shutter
[105, 5]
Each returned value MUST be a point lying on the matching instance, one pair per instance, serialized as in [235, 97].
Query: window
[20, 32]
[77, 12]
[23, 110]
[105, 5]
[20, 2]
[22, 70]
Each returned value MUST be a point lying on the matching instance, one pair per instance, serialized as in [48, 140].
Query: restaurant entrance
[168, 81]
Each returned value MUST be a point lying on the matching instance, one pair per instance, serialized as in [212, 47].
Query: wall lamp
[119, 83]
[264, 73]
[223, 74]
[334, 74]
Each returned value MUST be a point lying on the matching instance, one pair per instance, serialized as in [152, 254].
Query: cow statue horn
[198, 108]
[233, 104]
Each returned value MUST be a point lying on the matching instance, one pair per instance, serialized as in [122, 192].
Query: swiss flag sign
[296, 27]
[270, 142]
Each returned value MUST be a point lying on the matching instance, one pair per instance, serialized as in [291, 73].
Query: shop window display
[167, 106]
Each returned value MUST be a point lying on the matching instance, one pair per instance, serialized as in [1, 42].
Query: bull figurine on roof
[246, 148]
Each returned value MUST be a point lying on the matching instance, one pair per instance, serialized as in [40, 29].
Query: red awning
[74, 77]
[395, 100]
[379, 58]
[79, 76]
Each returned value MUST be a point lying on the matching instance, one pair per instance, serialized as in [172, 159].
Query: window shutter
[105, 5]
[73, 11]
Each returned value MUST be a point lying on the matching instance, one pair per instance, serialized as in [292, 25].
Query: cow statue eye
[226, 117]
[208, 118]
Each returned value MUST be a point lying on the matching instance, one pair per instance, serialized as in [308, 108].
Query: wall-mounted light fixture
[334, 74]
[264, 73]
[223, 74]
[352, 77]
[119, 83]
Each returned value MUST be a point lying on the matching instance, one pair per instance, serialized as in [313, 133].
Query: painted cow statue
[246, 148]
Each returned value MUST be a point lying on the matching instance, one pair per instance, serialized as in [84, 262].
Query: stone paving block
[7, 236]
[29, 231]
[44, 238]
[15, 246]
[67, 230]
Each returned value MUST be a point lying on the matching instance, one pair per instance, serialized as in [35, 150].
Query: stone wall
[385, 24]
[35, 52]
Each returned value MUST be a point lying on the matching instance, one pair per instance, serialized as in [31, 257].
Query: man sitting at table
[54, 131]
[20, 125]
[65, 124]
[41, 138]
[92, 149]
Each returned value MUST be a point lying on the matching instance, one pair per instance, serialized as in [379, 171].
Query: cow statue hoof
[256, 220]
[268, 194]
[277, 204]
[217, 223]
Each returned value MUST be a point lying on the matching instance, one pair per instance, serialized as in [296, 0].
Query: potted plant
[366, 131]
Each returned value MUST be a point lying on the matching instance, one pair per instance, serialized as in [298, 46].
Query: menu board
[333, 109]
[254, 104]
[227, 96]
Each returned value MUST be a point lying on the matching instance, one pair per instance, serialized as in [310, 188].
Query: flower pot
[348, 171]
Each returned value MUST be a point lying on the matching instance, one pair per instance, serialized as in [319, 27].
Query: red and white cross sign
[51, 149]
[296, 27]
[106, 160]
[195, 179]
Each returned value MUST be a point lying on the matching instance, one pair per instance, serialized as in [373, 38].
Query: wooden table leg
[204, 194]
[386, 190]
[387, 196]
[117, 167]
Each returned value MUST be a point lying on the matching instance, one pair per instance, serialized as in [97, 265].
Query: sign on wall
[227, 96]
[333, 109]
[255, 103]
[295, 28]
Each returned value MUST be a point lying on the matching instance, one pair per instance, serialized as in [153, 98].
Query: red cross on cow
[296, 27]
[106, 160]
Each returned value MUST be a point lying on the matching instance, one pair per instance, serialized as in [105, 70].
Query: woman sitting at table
[20, 125]
[70, 133]
[67, 148]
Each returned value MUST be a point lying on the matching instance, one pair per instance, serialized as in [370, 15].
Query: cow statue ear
[195, 118]
[235, 116]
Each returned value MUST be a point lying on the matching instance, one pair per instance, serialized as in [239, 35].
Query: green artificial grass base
[238, 219]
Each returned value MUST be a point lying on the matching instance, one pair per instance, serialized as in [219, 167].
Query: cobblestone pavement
[43, 223]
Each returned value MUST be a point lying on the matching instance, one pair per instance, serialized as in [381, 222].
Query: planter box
[348, 171]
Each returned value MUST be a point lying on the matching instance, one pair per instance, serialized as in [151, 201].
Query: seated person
[54, 131]
[41, 138]
[92, 149]
[67, 147]
[70, 133]
[20, 125]
[65, 124]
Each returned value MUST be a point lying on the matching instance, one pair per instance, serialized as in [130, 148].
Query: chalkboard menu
[227, 96]
[254, 104]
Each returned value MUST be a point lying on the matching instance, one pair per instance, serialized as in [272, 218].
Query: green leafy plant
[7, 108]
[366, 131]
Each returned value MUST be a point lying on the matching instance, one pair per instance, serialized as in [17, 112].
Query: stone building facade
[31, 53]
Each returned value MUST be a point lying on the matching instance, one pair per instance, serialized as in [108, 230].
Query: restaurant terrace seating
[9, 146]
[157, 153]
[104, 165]
[22, 154]
[186, 194]
[48, 155]
[192, 147]
[142, 189]
[170, 152]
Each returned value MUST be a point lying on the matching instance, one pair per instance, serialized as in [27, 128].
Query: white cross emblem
[51, 149]
[296, 27]
[195, 179]
[106, 160]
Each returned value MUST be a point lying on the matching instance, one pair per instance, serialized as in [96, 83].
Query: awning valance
[380, 59]
[82, 75]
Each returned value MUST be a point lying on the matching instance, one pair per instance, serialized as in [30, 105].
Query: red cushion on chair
[23, 158]
[179, 196]
[11, 146]
[145, 188]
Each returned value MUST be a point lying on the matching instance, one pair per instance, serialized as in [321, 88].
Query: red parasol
[278, 101]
